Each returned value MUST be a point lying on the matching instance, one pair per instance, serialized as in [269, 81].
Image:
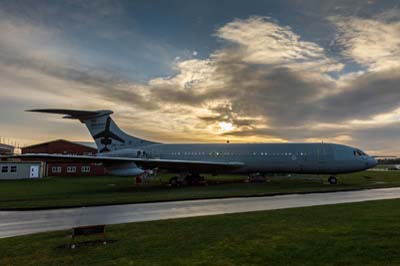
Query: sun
[225, 126]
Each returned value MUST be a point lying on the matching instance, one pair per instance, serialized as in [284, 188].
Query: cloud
[259, 40]
[363, 97]
[27, 48]
[224, 113]
[262, 41]
[374, 43]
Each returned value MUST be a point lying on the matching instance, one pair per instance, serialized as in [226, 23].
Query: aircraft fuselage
[312, 158]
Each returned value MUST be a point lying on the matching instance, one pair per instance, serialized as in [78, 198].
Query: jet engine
[126, 169]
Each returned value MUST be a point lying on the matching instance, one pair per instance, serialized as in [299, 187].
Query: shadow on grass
[86, 244]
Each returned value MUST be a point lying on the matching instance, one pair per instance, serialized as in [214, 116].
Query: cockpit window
[359, 153]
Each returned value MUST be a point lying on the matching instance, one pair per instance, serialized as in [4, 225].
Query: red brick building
[57, 167]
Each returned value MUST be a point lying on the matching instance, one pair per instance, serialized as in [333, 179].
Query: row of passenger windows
[238, 154]
[6, 169]
[70, 169]
[74, 153]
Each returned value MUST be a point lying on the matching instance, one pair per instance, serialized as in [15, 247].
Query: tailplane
[107, 135]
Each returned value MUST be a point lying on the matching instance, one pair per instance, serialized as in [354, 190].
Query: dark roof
[59, 140]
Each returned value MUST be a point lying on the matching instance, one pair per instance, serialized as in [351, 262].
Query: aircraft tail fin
[107, 135]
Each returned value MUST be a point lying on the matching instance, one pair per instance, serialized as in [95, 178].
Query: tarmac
[15, 223]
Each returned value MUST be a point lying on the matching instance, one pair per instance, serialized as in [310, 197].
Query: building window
[56, 169]
[13, 169]
[4, 169]
[71, 169]
[85, 169]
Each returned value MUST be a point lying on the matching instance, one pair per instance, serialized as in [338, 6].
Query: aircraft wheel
[332, 180]
[173, 181]
[188, 180]
[193, 179]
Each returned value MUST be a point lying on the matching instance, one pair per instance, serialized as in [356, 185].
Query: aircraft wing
[146, 163]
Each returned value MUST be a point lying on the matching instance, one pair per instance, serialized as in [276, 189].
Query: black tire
[332, 180]
[193, 180]
[173, 181]
[188, 180]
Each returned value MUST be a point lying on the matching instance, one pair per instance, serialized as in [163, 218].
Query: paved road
[13, 223]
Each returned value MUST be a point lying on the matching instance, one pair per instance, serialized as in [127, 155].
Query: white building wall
[21, 170]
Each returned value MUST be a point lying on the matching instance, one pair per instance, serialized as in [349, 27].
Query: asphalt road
[14, 223]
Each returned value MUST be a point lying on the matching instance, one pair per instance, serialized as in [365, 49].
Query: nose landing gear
[332, 180]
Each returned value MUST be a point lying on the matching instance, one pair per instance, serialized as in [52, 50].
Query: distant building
[6, 149]
[58, 167]
[21, 170]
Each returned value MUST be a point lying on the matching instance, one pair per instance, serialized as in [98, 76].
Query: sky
[205, 71]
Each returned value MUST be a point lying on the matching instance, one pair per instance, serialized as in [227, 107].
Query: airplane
[126, 155]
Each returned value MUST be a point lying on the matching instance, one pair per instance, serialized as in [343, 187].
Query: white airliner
[126, 155]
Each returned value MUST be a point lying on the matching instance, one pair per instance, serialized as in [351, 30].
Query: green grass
[365, 233]
[87, 191]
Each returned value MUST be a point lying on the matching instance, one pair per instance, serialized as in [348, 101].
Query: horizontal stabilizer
[74, 114]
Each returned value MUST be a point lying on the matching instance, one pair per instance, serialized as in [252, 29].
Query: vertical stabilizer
[107, 135]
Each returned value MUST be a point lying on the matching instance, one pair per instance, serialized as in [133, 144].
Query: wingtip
[34, 110]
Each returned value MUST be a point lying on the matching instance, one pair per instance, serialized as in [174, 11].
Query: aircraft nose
[372, 162]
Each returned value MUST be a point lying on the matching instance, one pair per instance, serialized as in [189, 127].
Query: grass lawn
[366, 233]
[86, 191]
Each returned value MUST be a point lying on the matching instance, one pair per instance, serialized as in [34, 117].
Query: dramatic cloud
[374, 43]
[265, 42]
[275, 88]
[263, 83]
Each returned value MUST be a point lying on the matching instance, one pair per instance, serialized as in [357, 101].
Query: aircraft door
[322, 156]
[303, 162]
[141, 154]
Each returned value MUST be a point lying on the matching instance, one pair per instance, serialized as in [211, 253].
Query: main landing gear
[332, 180]
[186, 180]
[174, 181]
[257, 178]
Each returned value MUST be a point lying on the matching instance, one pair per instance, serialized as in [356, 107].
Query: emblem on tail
[107, 136]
